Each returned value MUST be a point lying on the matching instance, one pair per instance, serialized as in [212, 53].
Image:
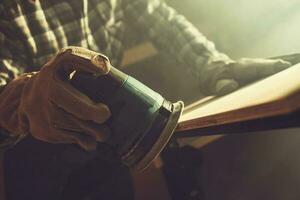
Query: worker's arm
[172, 34]
[12, 63]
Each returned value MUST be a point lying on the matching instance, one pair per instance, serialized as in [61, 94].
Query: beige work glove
[245, 71]
[45, 105]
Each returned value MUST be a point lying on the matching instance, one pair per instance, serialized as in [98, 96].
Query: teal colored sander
[142, 121]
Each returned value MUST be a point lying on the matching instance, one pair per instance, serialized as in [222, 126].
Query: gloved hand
[247, 70]
[45, 105]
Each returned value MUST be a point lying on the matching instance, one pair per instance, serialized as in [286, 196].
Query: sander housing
[142, 121]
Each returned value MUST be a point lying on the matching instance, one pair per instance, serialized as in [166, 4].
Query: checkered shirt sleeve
[12, 62]
[12, 53]
[173, 34]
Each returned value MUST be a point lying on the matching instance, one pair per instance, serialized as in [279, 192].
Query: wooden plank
[198, 142]
[276, 95]
[138, 53]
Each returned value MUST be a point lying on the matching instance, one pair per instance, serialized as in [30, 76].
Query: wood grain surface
[276, 95]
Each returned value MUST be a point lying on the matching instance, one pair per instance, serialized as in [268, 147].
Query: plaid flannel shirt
[32, 31]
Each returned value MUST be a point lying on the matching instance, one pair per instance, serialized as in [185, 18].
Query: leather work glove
[247, 70]
[45, 105]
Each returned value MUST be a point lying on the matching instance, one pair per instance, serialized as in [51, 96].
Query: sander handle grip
[100, 88]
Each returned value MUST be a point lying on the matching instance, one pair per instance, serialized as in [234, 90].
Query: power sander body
[142, 121]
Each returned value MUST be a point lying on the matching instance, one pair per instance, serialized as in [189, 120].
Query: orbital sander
[142, 121]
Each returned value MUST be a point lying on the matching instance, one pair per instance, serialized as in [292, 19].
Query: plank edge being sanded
[276, 95]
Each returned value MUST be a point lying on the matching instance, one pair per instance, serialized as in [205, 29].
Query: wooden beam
[138, 53]
[276, 95]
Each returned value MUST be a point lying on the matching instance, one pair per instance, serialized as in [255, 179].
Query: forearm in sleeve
[12, 63]
[173, 34]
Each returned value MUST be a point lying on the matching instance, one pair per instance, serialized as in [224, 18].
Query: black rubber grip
[100, 88]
